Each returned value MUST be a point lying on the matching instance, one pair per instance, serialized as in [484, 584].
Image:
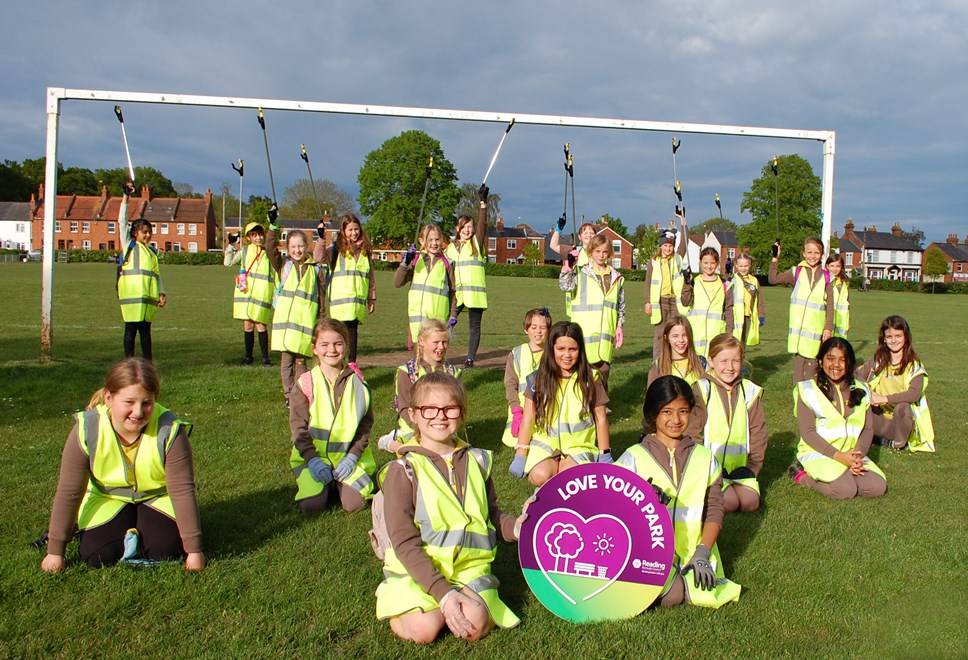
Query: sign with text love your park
[597, 544]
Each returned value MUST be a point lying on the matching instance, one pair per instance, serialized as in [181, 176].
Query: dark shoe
[266, 362]
[795, 469]
[246, 361]
[468, 363]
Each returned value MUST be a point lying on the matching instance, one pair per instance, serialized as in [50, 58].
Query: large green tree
[77, 181]
[470, 201]
[935, 265]
[784, 205]
[115, 178]
[14, 186]
[713, 224]
[299, 202]
[392, 184]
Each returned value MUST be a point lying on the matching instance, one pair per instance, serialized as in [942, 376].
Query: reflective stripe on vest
[596, 311]
[469, 279]
[428, 296]
[655, 287]
[569, 430]
[138, 289]
[808, 308]
[728, 437]
[254, 304]
[841, 309]
[580, 261]
[831, 425]
[742, 288]
[349, 288]
[297, 307]
[706, 316]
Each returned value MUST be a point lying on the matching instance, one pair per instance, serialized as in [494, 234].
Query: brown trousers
[898, 428]
[847, 486]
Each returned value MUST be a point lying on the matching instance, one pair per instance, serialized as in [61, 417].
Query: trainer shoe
[468, 363]
[795, 470]
[245, 361]
[266, 362]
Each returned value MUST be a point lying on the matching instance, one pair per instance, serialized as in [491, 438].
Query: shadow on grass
[244, 524]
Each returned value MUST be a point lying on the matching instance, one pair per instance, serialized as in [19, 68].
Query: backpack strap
[412, 370]
[306, 386]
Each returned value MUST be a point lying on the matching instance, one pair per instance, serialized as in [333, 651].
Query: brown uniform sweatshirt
[910, 395]
[788, 277]
[299, 419]
[729, 397]
[75, 474]
[399, 507]
[807, 423]
[713, 512]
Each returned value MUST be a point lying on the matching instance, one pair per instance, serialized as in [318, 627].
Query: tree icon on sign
[564, 543]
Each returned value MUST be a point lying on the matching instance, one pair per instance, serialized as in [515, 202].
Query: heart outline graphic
[538, 556]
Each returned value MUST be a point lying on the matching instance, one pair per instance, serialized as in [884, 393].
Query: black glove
[703, 574]
[273, 214]
[571, 259]
[687, 274]
[561, 223]
[739, 473]
[659, 493]
[233, 239]
[321, 229]
[775, 249]
[410, 255]
[129, 189]
[483, 192]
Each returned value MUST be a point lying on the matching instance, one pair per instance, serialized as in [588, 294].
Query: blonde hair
[452, 388]
[332, 325]
[425, 232]
[127, 372]
[744, 256]
[724, 342]
[599, 240]
[426, 328]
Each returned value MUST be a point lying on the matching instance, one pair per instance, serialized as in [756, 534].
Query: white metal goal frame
[57, 95]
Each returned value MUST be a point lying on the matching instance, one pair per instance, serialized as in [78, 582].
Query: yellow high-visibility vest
[655, 287]
[349, 288]
[138, 288]
[570, 431]
[255, 303]
[729, 439]
[596, 311]
[525, 363]
[429, 293]
[469, 280]
[706, 316]
[297, 307]
[922, 435]
[808, 309]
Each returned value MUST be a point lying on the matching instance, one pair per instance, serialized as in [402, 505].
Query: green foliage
[191, 258]
[617, 226]
[392, 183]
[257, 209]
[77, 181]
[914, 235]
[935, 265]
[646, 243]
[115, 178]
[469, 203]
[533, 252]
[299, 203]
[713, 224]
[14, 186]
[790, 200]
[885, 284]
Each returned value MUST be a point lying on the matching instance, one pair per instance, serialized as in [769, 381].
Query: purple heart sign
[597, 544]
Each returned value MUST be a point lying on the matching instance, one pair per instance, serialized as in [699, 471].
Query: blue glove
[345, 466]
[320, 471]
[517, 466]
[451, 322]
[762, 321]
[605, 457]
[410, 255]
[561, 223]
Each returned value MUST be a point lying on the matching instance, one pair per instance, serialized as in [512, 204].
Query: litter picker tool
[776, 194]
[494, 157]
[719, 206]
[241, 170]
[423, 199]
[570, 169]
[265, 138]
[312, 182]
[677, 189]
[124, 136]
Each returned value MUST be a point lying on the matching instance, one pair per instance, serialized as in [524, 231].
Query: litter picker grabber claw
[494, 157]
[719, 206]
[312, 182]
[570, 170]
[124, 136]
[677, 189]
[241, 170]
[265, 138]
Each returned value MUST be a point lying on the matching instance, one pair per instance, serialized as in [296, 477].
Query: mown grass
[821, 578]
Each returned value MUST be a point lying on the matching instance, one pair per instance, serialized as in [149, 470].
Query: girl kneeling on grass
[686, 478]
[431, 356]
[677, 354]
[443, 521]
[127, 465]
[730, 419]
[897, 377]
[330, 418]
[522, 362]
[564, 421]
[836, 429]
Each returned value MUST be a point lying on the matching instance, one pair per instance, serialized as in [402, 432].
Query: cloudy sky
[889, 78]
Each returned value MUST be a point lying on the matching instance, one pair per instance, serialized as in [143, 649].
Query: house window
[102, 246]
[491, 259]
[20, 228]
[893, 256]
[57, 226]
[617, 262]
[167, 246]
[110, 245]
[73, 227]
[85, 227]
[193, 247]
[181, 229]
[537, 244]
[112, 228]
[910, 257]
[193, 230]
[730, 253]
[512, 245]
[154, 244]
[491, 244]
[849, 258]
[85, 245]
[164, 227]
[176, 247]
[60, 244]
[511, 261]
[617, 247]
[959, 266]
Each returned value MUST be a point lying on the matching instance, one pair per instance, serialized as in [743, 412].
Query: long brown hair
[665, 350]
[836, 257]
[548, 374]
[343, 246]
[127, 372]
[850, 361]
[882, 355]
[461, 221]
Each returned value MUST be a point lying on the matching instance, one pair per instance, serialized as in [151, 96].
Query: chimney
[953, 239]
[500, 224]
[836, 236]
[145, 193]
[896, 229]
[966, 240]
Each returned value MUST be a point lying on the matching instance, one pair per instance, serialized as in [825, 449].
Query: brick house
[15, 226]
[505, 245]
[726, 243]
[957, 256]
[622, 247]
[883, 255]
[91, 223]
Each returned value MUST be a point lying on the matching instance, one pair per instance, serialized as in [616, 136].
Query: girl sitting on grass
[522, 362]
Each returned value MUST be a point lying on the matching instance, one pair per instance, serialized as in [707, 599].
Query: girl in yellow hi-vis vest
[331, 418]
[467, 258]
[811, 306]
[840, 286]
[664, 281]
[140, 290]
[299, 303]
[351, 293]
[710, 302]
[836, 428]
[443, 521]
[432, 287]
[573, 256]
[749, 315]
[686, 478]
[730, 419]
[564, 422]
[126, 478]
[254, 284]
[898, 380]
[597, 304]
[522, 362]
[677, 354]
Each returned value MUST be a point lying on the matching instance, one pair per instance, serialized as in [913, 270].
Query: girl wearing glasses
[443, 522]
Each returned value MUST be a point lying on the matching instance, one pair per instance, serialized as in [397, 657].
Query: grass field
[821, 578]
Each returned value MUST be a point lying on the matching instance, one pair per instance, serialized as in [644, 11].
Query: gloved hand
[128, 189]
[775, 249]
[320, 471]
[410, 255]
[687, 274]
[741, 473]
[762, 321]
[321, 229]
[571, 259]
[451, 322]
[233, 239]
[345, 466]
[703, 574]
[605, 457]
[517, 414]
[619, 337]
[660, 494]
[273, 214]
[452, 606]
[517, 466]
[483, 192]
[561, 223]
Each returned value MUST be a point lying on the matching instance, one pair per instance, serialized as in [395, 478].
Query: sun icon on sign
[604, 545]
